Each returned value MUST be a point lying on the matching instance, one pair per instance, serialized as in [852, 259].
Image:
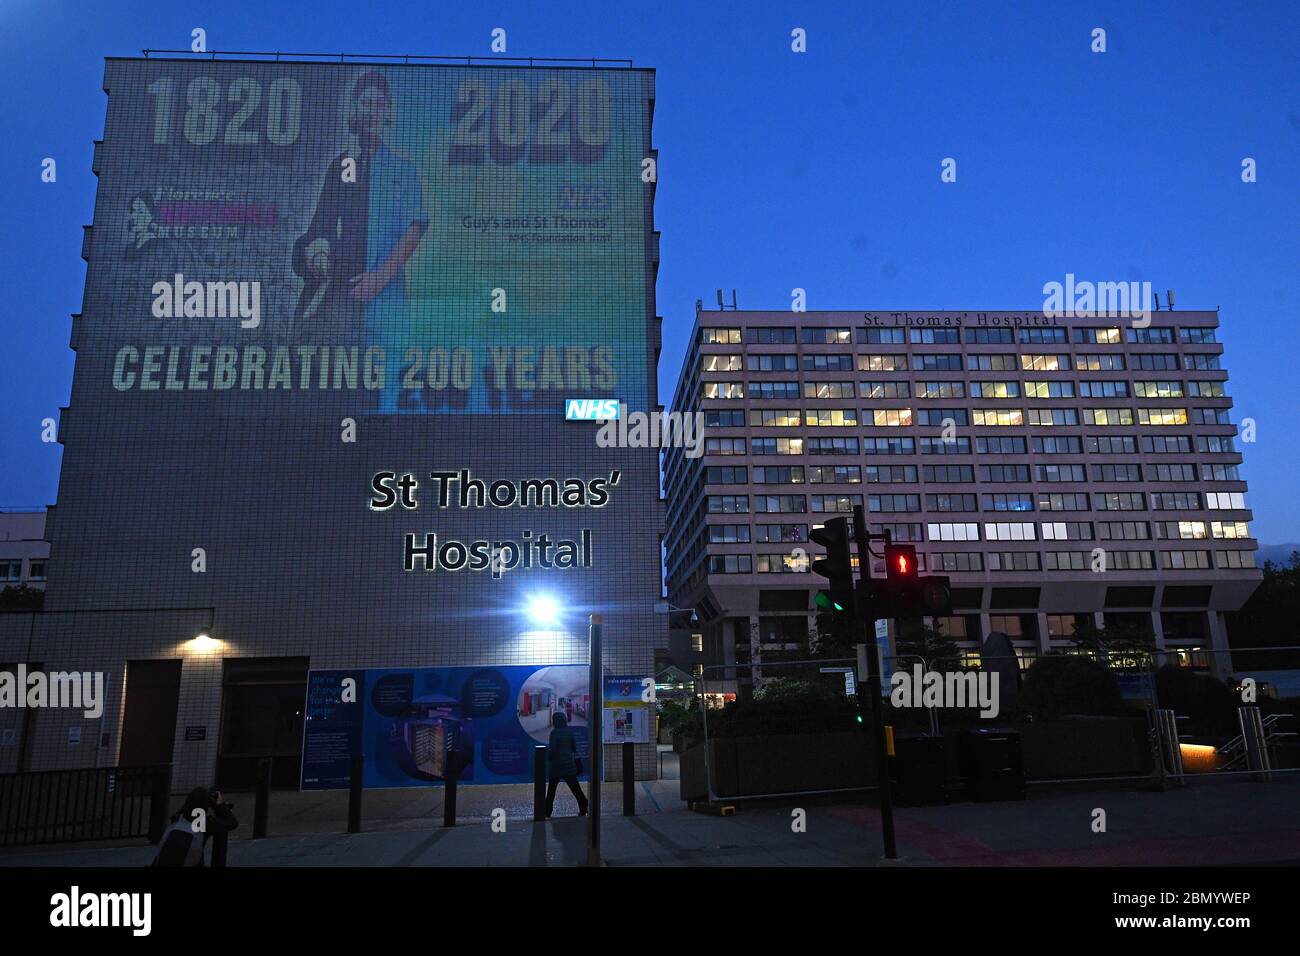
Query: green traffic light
[827, 603]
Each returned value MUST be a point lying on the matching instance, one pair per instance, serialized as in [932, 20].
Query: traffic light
[875, 601]
[900, 563]
[836, 567]
[936, 595]
[909, 594]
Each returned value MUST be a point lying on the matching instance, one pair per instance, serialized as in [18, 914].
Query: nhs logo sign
[590, 409]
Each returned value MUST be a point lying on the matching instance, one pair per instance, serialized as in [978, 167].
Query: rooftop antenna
[1169, 297]
[699, 305]
[721, 304]
[1156, 297]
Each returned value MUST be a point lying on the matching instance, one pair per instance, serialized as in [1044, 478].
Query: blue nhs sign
[590, 409]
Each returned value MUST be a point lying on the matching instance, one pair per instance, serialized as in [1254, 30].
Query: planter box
[1086, 747]
[755, 766]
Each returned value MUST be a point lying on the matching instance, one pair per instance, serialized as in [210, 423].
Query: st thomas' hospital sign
[958, 320]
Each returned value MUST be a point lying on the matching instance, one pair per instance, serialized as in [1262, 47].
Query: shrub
[21, 598]
[1062, 684]
[1208, 704]
[786, 706]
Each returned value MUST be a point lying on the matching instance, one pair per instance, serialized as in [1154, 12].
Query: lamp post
[595, 712]
[545, 611]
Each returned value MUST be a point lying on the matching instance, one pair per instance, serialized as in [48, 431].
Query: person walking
[563, 763]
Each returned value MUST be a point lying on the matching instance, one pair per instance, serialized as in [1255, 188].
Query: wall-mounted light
[544, 610]
[203, 644]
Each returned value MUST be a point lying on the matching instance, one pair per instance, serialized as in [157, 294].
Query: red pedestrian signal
[900, 562]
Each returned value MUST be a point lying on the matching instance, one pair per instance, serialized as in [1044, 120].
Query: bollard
[1255, 742]
[449, 795]
[354, 793]
[629, 781]
[220, 843]
[539, 783]
[263, 798]
[162, 785]
[1171, 754]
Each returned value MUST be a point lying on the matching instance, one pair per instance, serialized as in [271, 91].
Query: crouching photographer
[204, 814]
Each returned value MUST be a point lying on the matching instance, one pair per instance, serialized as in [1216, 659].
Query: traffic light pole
[873, 685]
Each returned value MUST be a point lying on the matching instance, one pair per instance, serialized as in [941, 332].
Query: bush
[1063, 684]
[21, 598]
[1209, 705]
[789, 690]
[786, 706]
[672, 715]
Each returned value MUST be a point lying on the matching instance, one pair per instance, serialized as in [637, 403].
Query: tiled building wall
[262, 479]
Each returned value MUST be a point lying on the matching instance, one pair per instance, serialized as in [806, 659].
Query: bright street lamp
[543, 609]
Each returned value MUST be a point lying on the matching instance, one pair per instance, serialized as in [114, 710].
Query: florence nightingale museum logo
[176, 214]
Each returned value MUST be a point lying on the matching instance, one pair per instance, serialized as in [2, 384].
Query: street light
[202, 643]
[665, 607]
[543, 609]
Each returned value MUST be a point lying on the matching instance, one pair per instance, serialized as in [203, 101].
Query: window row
[962, 417]
[993, 445]
[950, 503]
[1098, 560]
[967, 474]
[949, 335]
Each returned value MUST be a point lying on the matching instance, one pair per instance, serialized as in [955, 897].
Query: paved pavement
[1209, 822]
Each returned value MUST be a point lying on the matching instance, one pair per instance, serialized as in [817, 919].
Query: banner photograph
[432, 238]
[412, 725]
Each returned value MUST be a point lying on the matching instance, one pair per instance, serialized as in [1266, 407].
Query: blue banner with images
[414, 725]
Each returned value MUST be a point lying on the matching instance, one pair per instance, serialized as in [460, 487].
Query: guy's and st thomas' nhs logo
[590, 409]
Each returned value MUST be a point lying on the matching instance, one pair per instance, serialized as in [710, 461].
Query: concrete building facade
[1056, 468]
[24, 552]
[305, 276]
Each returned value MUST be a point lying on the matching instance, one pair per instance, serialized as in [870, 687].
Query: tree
[836, 637]
[934, 646]
[1208, 704]
[21, 598]
[796, 691]
[1271, 616]
[1121, 643]
[1062, 684]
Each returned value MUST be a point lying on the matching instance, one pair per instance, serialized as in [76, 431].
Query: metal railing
[1237, 751]
[1264, 744]
[275, 55]
[92, 803]
[809, 668]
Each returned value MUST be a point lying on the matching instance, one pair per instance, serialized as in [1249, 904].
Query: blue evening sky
[780, 170]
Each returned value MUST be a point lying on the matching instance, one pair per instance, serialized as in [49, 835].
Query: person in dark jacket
[183, 843]
[562, 764]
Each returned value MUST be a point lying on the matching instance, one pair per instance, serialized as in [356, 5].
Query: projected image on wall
[553, 690]
[429, 730]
